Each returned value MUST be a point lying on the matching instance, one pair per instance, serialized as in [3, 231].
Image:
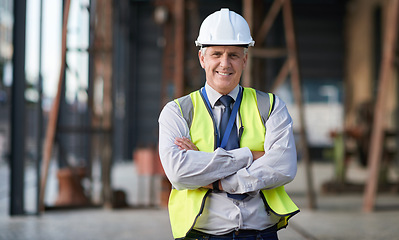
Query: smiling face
[223, 66]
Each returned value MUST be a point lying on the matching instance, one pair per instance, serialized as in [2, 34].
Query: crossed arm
[239, 170]
[184, 143]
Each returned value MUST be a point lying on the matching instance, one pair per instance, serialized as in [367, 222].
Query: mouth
[223, 73]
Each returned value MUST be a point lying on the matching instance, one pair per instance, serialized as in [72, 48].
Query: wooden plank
[269, 52]
[102, 57]
[179, 48]
[296, 86]
[248, 15]
[377, 134]
[269, 20]
[53, 117]
[282, 75]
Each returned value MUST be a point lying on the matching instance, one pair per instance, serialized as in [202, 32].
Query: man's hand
[184, 143]
[210, 186]
[257, 154]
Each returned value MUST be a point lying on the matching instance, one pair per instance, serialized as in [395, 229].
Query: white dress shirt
[238, 173]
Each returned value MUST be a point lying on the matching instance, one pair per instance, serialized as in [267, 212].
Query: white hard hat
[224, 27]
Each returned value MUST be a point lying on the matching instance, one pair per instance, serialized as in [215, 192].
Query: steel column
[18, 112]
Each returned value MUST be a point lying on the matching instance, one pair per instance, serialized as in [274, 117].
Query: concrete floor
[338, 217]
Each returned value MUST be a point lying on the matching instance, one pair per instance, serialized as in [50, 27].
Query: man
[227, 150]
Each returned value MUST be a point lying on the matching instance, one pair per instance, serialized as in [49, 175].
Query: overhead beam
[269, 52]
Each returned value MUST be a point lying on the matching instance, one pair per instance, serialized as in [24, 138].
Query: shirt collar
[214, 95]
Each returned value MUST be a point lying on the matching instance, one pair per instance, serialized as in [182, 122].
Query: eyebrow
[229, 53]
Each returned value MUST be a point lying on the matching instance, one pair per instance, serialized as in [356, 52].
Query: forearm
[189, 169]
[264, 173]
[277, 166]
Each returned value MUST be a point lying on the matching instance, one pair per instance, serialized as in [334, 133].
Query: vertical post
[296, 85]
[179, 48]
[18, 112]
[39, 113]
[92, 18]
[53, 117]
[248, 15]
[377, 134]
[101, 73]
[103, 61]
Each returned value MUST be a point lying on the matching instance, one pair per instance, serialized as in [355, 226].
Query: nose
[224, 61]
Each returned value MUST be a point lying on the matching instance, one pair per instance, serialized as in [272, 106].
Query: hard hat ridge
[224, 27]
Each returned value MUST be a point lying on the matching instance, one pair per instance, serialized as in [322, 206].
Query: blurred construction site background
[82, 83]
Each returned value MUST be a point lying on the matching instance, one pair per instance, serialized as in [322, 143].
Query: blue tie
[233, 141]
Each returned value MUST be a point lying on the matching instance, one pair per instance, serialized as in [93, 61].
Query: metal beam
[18, 112]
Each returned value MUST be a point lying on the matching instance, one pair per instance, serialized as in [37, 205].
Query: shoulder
[181, 108]
[262, 97]
[265, 102]
[177, 103]
[269, 98]
[169, 110]
[269, 104]
[184, 102]
[279, 103]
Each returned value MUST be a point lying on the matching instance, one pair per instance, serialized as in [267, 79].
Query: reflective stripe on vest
[185, 206]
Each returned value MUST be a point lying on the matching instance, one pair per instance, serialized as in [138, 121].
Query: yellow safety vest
[185, 206]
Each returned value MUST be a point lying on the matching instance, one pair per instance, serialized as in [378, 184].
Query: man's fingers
[257, 154]
[185, 144]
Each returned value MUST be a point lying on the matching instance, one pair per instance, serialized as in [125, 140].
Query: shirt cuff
[244, 156]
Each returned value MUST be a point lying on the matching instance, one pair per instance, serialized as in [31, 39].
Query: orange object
[70, 189]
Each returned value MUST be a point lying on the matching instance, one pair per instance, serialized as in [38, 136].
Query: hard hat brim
[233, 45]
[224, 43]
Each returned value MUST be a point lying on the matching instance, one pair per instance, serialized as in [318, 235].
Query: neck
[222, 91]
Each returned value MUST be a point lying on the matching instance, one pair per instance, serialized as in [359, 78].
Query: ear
[201, 59]
[245, 60]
